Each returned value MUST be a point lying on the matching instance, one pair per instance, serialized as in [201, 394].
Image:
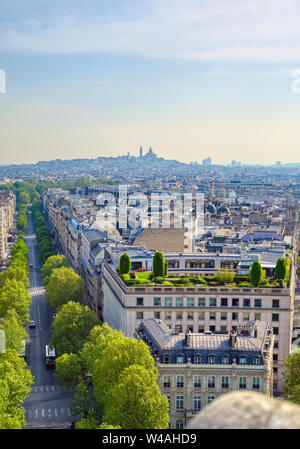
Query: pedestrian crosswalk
[47, 413]
[45, 388]
[37, 291]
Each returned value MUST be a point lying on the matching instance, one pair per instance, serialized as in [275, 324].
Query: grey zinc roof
[165, 339]
[94, 234]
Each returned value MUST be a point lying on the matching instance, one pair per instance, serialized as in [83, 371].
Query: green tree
[158, 264]
[14, 333]
[51, 263]
[280, 269]
[18, 380]
[17, 273]
[135, 401]
[71, 327]
[98, 338]
[68, 371]
[84, 403]
[291, 376]
[14, 295]
[64, 285]
[87, 423]
[256, 273]
[119, 354]
[104, 425]
[23, 197]
[125, 263]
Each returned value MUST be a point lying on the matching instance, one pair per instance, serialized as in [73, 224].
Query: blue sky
[190, 78]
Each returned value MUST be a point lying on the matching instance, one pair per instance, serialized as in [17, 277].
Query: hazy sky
[191, 78]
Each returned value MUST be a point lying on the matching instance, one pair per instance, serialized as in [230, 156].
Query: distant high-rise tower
[141, 151]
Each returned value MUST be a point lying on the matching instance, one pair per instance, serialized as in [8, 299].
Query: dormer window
[243, 360]
[179, 359]
[211, 359]
[225, 360]
[166, 359]
[197, 359]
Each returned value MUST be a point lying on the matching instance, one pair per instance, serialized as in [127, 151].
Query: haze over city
[192, 79]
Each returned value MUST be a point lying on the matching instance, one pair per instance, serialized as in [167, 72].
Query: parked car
[54, 315]
[32, 324]
[31, 265]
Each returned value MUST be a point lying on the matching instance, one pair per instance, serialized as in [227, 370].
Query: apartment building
[7, 211]
[201, 309]
[195, 369]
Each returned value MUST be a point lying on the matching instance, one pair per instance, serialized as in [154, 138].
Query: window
[212, 315]
[178, 315]
[210, 399]
[201, 328]
[139, 301]
[275, 316]
[246, 316]
[157, 301]
[256, 383]
[275, 344]
[212, 302]
[246, 302]
[224, 302]
[167, 381]
[275, 369]
[200, 315]
[275, 330]
[168, 302]
[243, 360]
[243, 383]
[179, 424]
[190, 315]
[180, 381]
[275, 356]
[212, 328]
[225, 360]
[157, 315]
[211, 359]
[235, 302]
[211, 381]
[257, 316]
[224, 329]
[190, 302]
[179, 402]
[223, 316]
[191, 328]
[197, 381]
[225, 382]
[166, 359]
[275, 303]
[179, 359]
[167, 315]
[197, 403]
[169, 401]
[201, 302]
[179, 302]
[197, 359]
[257, 303]
[234, 316]
[139, 315]
[256, 361]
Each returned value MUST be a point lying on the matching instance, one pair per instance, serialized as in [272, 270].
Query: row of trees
[15, 378]
[43, 235]
[123, 392]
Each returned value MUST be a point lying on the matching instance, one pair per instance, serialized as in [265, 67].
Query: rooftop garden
[223, 278]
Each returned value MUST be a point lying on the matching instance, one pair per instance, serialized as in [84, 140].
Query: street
[46, 406]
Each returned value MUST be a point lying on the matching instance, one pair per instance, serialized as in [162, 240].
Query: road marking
[43, 413]
[68, 412]
[49, 412]
[62, 411]
[36, 412]
[47, 389]
[55, 412]
[53, 388]
[39, 318]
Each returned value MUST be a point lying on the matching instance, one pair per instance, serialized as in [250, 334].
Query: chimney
[232, 338]
[188, 338]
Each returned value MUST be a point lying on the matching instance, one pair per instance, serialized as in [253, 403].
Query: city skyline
[192, 79]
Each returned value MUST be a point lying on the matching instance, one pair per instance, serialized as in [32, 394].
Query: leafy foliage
[158, 264]
[256, 273]
[125, 263]
[64, 285]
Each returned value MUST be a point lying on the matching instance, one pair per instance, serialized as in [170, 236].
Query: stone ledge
[247, 410]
